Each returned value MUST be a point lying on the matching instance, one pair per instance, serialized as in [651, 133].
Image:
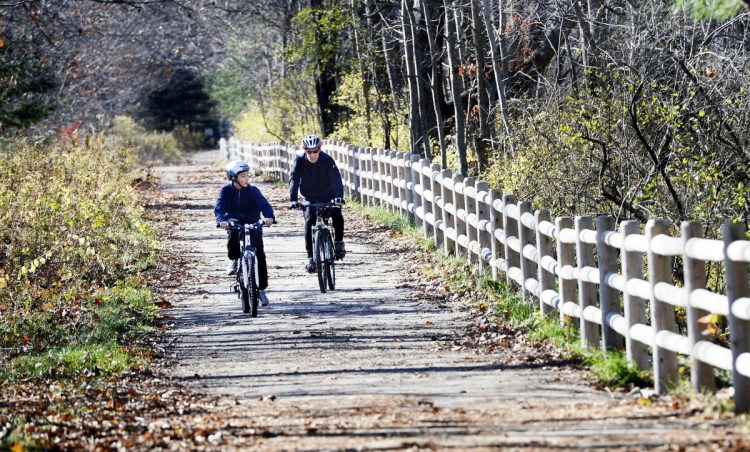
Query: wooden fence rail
[585, 268]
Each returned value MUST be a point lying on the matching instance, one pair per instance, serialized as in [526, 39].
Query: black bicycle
[324, 252]
[247, 271]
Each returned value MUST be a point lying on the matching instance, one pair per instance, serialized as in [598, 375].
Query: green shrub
[73, 235]
[189, 140]
[151, 146]
[613, 369]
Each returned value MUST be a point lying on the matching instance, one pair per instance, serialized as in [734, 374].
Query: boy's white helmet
[310, 142]
[234, 168]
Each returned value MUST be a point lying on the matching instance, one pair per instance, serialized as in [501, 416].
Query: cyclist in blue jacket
[315, 175]
[240, 201]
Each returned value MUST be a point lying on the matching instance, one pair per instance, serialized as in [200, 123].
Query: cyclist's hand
[224, 224]
[295, 205]
[338, 201]
[268, 221]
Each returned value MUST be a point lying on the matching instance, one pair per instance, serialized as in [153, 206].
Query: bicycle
[324, 252]
[247, 272]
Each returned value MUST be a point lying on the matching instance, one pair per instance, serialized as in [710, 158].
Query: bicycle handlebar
[312, 205]
[237, 226]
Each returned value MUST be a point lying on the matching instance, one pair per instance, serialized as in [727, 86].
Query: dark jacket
[317, 182]
[243, 205]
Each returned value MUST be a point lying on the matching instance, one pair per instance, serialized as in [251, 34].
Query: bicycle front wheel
[242, 278]
[320, 259]
[253, 289]
[330, 264]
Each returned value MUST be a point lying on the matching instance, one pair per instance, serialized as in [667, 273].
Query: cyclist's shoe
[340, 250]
[311, 267]
[263, 298]
[232, 269]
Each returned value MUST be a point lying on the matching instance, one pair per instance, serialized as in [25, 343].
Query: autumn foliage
[73, 241]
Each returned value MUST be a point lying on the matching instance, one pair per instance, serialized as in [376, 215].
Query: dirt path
[371, 365]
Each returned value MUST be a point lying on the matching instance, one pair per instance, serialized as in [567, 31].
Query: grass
[108, 358]
[107, 337]
[394, 221]
[613, 369]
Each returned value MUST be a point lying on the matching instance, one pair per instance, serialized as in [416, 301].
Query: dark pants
[334, 213]
[256, 238]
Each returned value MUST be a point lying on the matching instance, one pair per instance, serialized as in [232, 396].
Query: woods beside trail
[579, 107]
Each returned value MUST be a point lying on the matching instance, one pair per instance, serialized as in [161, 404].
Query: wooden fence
[584, 267]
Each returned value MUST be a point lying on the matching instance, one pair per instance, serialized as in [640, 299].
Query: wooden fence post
[390, 174]
[407, 200]
[739, 328]
[356, 188]
[590, 336]
[662, 314]
[416, 180]
[426, 183]
[566, 256]
[459, 206]
[369, 175]
[635, 307]
[609, 300]
[447, 197]
[457, 196]
[400, 184]
[438, 211]
[483, 219]
[525, 237]
[469, 209]
[510, 227]
[701, 374]
[544, 249]
[378, 170]
[382, 185]
[496, 223]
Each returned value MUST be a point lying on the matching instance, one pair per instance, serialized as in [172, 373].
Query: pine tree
[22, 91]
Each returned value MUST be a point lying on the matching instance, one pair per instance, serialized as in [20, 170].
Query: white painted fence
[582, 267]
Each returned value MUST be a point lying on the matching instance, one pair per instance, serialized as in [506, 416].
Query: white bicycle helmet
[310, 142]
[234, 168]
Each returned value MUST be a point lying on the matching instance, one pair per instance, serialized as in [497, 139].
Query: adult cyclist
[316, 177]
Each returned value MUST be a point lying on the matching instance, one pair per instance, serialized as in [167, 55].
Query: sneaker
[263, 298]
[232, 269]
[311, 267]
[340, 250]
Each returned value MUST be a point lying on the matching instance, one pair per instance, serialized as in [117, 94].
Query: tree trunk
[424, 139]
[458, 104]
[497, 53]
[435, 87]
[325, 83]
[363, 74]
[416, 120]
[482, 100]
[391, 83]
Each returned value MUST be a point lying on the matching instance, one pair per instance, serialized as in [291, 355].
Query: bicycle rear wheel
[330, 254]
[320, 260]
[253, 289]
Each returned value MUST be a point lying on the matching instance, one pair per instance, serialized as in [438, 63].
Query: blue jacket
[317, 182]
[243, 205]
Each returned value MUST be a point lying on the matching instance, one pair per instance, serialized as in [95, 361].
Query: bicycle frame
[323, 246]
[247, 274]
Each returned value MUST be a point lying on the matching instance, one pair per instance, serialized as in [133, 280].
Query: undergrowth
[74, 240]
